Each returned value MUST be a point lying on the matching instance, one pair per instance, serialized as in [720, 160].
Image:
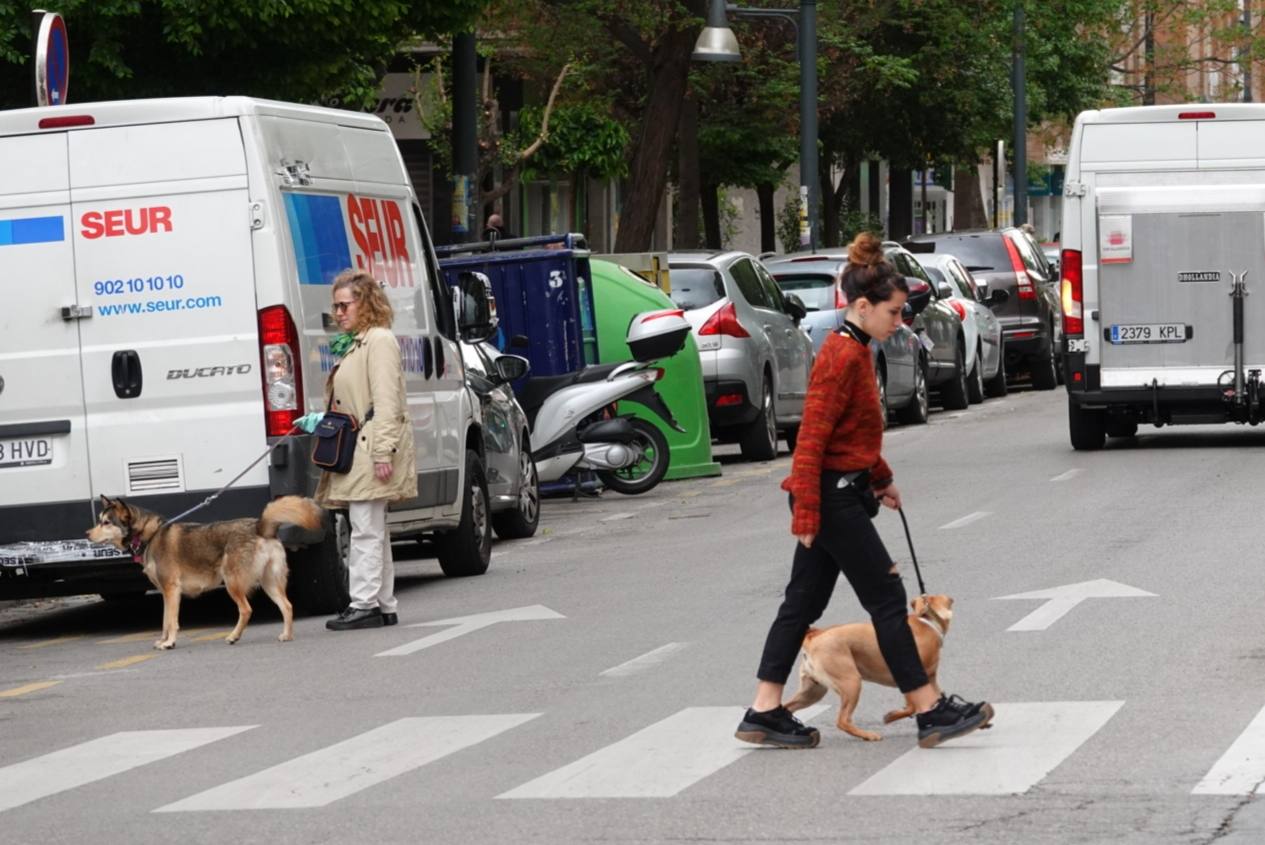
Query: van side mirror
[474, 306]
[511, 367]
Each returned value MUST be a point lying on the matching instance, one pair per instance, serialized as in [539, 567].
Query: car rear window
[817, 290]
[985, 252]
[695, 287]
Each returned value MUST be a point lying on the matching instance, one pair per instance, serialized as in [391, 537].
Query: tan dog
[188, 558]
[840, 657]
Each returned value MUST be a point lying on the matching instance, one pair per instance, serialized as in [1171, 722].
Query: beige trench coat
[370, 376]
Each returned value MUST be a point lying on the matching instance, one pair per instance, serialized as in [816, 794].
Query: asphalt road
[1129, 699]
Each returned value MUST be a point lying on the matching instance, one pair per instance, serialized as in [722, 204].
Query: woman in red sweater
[838, 478]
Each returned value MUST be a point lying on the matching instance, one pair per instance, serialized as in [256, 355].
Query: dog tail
[296, 510]
[812, 633]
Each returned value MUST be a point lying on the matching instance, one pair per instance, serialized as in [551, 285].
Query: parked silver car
[755, 357]
[985, 354]
[513, 485]
[815, 280]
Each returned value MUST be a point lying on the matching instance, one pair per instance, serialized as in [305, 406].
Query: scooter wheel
[647, 472]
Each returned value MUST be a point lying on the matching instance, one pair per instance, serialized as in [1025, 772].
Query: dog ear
[105, 502]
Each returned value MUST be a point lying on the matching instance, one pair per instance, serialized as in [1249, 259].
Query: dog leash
[922, 588]
[211, 498]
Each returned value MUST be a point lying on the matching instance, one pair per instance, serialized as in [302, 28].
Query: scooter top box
[657, 334]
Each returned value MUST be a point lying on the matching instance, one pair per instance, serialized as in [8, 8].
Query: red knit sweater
[842, 428]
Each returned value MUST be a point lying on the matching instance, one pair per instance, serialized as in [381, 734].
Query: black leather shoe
[390, 618]
[778, 728]
[353, 618]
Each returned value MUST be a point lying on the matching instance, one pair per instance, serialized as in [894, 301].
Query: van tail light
[959, 309]
[1072, 292]
[66, 121]
[1023, 282]
[282, 370]
[724, 321]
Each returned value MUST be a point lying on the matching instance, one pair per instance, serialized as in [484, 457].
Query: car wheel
[996, 386]
[975, 384]
[1121, 428]
[1088, 429]
[1044, 370]
[954, 393]
[522, 521]
[759, 440]
[919, 407]
[467, 549]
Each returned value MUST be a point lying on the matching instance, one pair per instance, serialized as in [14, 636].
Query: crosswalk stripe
[334, 772]
[656, 762]
[97, 759]
[1241, 770]
[645, 661]
[1025, 743]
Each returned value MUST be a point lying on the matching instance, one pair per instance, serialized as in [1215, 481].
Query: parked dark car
[1010, 260]
[901, 375]
[939, 329]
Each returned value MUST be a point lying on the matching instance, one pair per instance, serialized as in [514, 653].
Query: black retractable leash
[209, 499]
[922, 588]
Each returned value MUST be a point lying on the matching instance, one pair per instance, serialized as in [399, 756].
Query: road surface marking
[124, 662]
[206, 638]
[343, 769]
[1071, 473]
[616, 517]
[645, 661]
[55, 641]
[967, 520]
[656, 762]
[1060, 600]
[97, 759]
[1026, 742]
[467, 624]
[133, 638]
[23, 690]
[1241, 770]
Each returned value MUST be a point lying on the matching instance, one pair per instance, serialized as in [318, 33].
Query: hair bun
[865, 250]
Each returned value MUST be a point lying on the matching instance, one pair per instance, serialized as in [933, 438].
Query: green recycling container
[619, 295]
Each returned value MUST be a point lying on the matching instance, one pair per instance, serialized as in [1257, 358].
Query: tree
[302, 50]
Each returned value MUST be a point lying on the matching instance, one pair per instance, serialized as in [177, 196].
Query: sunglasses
[343, 306]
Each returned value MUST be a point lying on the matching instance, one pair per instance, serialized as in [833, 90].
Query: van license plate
[1148, 333]
[29, 452]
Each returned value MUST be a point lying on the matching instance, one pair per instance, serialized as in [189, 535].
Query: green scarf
[342, 343]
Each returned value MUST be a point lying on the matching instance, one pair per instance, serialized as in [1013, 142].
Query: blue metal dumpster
[543, 292]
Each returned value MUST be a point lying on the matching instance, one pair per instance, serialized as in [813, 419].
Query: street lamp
[716, 43]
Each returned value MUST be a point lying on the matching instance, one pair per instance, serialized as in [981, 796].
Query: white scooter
[574, 425]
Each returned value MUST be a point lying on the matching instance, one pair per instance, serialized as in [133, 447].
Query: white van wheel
[317, 583]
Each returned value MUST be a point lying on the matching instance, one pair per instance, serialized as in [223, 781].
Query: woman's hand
[889, 496]
[383, 470]
[806, 540]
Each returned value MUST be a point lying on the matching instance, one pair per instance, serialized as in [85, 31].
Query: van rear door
[162, 239]
[43, 449]
[1167, 257]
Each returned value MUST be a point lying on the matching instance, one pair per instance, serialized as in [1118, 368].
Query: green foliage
[302, 50]
[854, 222]
[788, 223]
[583, 137]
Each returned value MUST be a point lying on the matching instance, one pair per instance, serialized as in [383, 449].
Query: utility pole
[808, 117]
[1245, 56]
[465, 143]
[1021, 120]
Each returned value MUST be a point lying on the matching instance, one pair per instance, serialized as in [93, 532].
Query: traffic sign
[52, 61]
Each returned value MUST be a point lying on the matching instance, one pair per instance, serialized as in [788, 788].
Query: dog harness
[933, 626]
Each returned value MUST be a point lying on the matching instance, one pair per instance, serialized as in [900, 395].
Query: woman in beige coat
[368, 383]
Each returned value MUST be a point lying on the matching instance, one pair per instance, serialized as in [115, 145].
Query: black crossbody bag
[334, 440]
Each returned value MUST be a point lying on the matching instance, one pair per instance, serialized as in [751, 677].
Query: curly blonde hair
[375, 310]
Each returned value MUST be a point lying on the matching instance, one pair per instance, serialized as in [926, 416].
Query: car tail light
[1073, 293]
[841, 299]
[1023, 282]
[282, 370]
[724, 321]
[726, 400]
[958, 309]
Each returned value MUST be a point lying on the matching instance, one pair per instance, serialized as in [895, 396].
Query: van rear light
[282, 370]
[1072, 292]
[724, 321]
[1023, 282]
[1197, 115]
[65, 121]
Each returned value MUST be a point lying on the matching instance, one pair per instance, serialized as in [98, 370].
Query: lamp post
[716, 43]
[1020, 152]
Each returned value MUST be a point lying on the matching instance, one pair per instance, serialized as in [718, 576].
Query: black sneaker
[951, 718]
[390, 618]
[354, 617]
[778, 728]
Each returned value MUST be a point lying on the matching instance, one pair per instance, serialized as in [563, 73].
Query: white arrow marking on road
[1071, 473]
[1026, 742]
[466, 624]
[1241, 770]
[645, 661]
[967, 520]
[1059, 600]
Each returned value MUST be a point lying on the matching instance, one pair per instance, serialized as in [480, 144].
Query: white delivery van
[166, 265]
[1163, 239]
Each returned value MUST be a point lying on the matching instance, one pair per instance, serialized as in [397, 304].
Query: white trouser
[371, 570]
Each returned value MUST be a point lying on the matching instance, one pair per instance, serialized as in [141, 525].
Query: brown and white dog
[188, 558]
[840, 657]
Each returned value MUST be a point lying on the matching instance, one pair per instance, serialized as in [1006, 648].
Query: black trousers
[847, 542]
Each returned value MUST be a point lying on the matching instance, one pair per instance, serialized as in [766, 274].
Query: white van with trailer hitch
[1163, 241]
[168, 266]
